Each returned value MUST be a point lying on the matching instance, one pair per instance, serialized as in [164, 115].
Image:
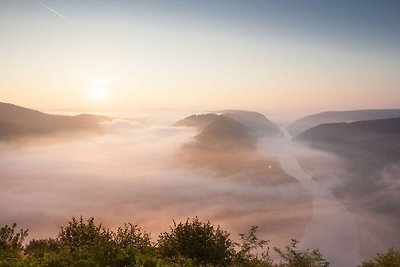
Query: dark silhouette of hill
[257, 124]
[226, 149]
[366, 176]
[18, 122]
[198, 121]
[367, 146]
[313, 120]
[229, 147]
[261, 126]
[369, 130]
[225, 129]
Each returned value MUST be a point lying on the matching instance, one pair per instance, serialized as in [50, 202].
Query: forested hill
[356, 131]
[257, 125]
[17, 122]
[313, 120]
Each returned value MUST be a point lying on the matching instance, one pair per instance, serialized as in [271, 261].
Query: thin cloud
[52, 10]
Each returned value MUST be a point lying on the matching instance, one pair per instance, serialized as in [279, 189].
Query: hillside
[225, 129]
[198, 121]
[378, 138]
[260, 125]
[227, 147]
[257, 124]
[366, 145]
[225, 150]
[364, 172]
[18, 122]
[313, 120]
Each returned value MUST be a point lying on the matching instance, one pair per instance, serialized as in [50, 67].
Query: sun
[98, 94]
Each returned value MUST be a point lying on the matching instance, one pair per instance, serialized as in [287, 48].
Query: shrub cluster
[82, 243]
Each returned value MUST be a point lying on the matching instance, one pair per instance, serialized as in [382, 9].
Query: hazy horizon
[267, 56]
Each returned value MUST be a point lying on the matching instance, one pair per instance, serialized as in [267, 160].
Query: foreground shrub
[391, 258]
[131, 236]
[10, 239]
[201, 242]
[293, 256]
[38, 248]
[11, 247]
[82, 243]
[248, 245]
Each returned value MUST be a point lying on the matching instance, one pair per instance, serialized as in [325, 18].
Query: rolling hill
[256, 123]
[18, 122]
[364, 173]
[313, 120]
[227, 145]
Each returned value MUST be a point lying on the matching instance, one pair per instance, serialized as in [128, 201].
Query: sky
[269, 56]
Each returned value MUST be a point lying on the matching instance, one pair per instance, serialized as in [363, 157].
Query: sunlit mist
[283, 115]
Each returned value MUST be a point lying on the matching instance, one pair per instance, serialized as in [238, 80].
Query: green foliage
[38, 248]
[82, 243]
[198, 241]
[92, 245]
[249, 243]
[10, 240]
[391, 258]
[79, 235]
[131, 236]
[11, 245]
[295, 257]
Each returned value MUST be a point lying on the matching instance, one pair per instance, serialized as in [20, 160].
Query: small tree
[38, 248]
[131, 236]
[88, 243]
[198, 241]
[81, 235]
[11, 248]
[390, 258]
[295, 257]
[249, 242]
[10, 240]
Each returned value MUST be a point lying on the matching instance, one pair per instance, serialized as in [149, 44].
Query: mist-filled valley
[335, 186]
[199, 133]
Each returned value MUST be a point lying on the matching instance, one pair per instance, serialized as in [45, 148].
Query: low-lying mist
[368, 189]
[128, 174]
[149, 171]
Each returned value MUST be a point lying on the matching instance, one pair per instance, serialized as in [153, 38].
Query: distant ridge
[375, 142]
[17, 122]
[257, 124]
[313, 120]
[354, 131]
[198, 121]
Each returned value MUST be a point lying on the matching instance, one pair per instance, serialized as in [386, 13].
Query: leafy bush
[198, 241]
[82, 243]
[11, 248]
[38, 248]
[295, 257]
[249, 243]
[79, 235]
[131, 236]
[391, 258]
[10, 240]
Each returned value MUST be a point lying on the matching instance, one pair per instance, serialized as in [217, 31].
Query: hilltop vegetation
[191, 243]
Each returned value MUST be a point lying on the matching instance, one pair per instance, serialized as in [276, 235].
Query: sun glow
[98, 94]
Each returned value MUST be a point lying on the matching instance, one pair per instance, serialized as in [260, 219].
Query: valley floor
[333, 229]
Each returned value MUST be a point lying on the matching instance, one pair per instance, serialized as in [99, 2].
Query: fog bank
[127, 175]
